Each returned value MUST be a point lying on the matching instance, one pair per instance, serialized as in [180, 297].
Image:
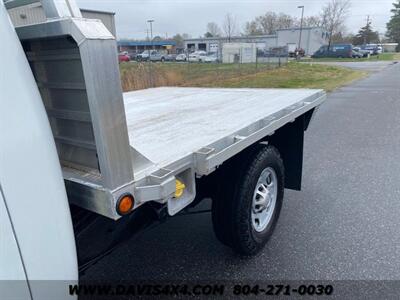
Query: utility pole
[366, 31]
[301, 25]
[151, 31]
[151, 43]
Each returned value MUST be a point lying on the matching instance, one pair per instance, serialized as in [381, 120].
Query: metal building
[140, 46]
[312, 39]
[389, 47]
[239, 53]
[215, 44]
[34, 13]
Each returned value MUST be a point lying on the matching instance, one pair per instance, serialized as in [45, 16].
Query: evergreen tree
[366, 35]
[393, 27]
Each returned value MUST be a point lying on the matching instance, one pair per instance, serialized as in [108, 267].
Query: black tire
[232, 205]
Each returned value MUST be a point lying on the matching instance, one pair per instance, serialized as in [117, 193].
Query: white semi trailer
[81, 162]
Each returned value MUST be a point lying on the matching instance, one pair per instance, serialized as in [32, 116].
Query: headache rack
[76, 69]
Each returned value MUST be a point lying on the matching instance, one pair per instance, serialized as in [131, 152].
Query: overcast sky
[192, 16]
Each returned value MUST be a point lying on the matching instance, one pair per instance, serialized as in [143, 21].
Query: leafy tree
[213, 29]
[393, 26]
[311, 21]
[340, 37]
[333, 17]
[229, 26]
[178, 38]
[285, 21]
[252, 28]
[346, 39]
[366, 35]
[269, 23]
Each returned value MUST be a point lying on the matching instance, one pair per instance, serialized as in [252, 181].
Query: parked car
[170, 57]
[132, 55]
[357, 54]
[335, 50]
[157, 56]
[291, 49]
[122, 57]
[372, 48]
[211, 58]
[153, 55]
[365, 53]
[144, 56]
[181, 57]
[198, 56]
[300, 52]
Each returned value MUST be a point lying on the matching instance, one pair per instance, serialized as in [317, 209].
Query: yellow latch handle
[179, 188]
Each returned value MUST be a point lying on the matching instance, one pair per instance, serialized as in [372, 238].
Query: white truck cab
[37, 240]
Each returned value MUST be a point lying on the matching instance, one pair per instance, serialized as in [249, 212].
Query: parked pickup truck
[153, 55]
[83, 165]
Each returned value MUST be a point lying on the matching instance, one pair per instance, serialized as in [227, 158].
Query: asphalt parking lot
[344, 224]
[368, 66]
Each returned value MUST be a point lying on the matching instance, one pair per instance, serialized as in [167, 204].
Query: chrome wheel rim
[264, 199]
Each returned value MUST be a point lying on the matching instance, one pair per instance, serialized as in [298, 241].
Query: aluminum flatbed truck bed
[145, 144]
[189, 132]
[182, 121]
[197, 129]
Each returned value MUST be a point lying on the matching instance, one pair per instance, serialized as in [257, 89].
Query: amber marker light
[125, 204]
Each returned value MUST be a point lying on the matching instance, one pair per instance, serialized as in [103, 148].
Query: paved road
[345, 224]
[369, 66]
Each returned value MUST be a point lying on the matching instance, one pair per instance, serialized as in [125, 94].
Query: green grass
[296, 75]
[380, 57]
[293, 75]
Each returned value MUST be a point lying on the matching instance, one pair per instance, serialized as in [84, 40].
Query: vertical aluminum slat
[52, 8]
[17, 3]
[61, 8]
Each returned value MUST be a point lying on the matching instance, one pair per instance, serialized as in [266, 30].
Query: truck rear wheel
[249, 201]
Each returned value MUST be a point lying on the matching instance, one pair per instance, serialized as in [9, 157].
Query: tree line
[332, 17]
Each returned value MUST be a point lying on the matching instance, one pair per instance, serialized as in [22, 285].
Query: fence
[276, 56]
[141, 75]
